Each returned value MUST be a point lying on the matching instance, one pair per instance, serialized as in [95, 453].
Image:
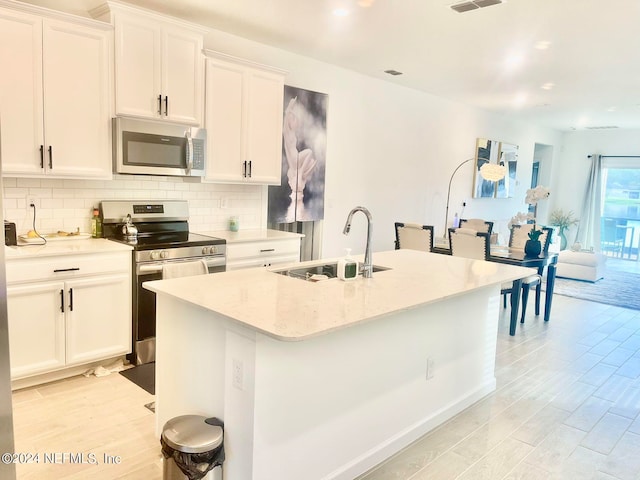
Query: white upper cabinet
[159, 66]
[55, 94]
[243, 117]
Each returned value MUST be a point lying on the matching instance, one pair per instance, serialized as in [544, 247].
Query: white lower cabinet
[83, 317]
[36, 328]
[264, 253]
[91, 331]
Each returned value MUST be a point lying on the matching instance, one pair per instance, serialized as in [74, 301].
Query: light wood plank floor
[567, 405]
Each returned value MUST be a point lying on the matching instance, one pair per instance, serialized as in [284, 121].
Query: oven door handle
[149, 269]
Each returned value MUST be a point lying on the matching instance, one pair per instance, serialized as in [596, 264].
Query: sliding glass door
[620, 211]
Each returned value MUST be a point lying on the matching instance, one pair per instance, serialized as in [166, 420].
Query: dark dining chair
[518, 236]
[414, 236]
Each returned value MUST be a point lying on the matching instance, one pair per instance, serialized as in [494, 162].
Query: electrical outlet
[430, 368]
[30, 202]
[237, 374]
[224, 202]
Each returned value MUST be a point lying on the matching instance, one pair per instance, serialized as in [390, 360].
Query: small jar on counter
[234, 223]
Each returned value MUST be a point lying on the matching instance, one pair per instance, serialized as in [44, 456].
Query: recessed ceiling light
[548, 86]
[341, 12]
[393, 72]
[513, 61]
[543, 44]
[520, 99]
[365, 3]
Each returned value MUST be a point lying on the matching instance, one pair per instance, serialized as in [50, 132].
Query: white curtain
[588, 233]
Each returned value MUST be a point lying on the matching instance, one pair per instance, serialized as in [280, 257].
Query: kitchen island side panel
[332, 406]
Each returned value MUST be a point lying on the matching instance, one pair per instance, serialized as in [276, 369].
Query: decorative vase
[532, 248]
[563, 239]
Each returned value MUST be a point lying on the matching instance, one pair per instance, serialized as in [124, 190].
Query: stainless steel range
[158, 231]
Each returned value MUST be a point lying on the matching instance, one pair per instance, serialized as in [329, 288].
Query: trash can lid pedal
[190, 434]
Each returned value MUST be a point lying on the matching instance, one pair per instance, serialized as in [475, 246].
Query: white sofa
[587, 266]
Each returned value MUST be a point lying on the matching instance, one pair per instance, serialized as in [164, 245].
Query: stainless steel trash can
[192, 446]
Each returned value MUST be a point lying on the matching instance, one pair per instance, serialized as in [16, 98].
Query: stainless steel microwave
[146, 147]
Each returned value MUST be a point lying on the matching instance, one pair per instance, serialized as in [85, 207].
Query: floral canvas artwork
[300, 196]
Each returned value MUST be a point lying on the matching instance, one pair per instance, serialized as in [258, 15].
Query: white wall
[571, 168]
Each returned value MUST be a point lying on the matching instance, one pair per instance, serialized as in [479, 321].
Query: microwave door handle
[189, 153]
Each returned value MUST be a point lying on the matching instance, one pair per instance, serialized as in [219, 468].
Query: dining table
[512, 256]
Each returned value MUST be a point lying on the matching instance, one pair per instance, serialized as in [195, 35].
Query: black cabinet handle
[62, 301]
[263, 250]
[159, 104]
[50, 156]
[71, 299]
[41, 156]
[249, 169]
[244, 169]
[74, 269]
[166, 105]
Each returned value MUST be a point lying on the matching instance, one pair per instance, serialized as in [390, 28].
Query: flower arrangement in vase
[532, 247]
[563, 221]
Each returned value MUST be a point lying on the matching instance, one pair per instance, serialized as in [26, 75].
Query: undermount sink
[330, 270]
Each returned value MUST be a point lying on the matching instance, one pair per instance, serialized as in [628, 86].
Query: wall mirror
[493, 152]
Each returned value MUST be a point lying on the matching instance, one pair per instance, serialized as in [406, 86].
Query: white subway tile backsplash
[68, 204]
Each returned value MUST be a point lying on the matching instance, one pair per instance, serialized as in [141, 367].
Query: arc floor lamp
[488, 171]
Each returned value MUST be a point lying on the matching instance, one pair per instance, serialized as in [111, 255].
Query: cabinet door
[265, 93]
[76, 100]
[98, 318]
[182, 76]
[21, 92]
[138, 67]
[36, 328]
[223, 120]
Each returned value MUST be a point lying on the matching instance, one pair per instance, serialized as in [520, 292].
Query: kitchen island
[325, 380]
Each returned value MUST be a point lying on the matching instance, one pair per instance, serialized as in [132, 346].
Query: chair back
[468, 243]
[414, 236]
[519, 235]
[184, 269]
[477, 224]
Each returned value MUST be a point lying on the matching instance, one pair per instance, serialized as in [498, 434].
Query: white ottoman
[587, 266]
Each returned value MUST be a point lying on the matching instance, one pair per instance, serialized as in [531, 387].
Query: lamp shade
[493, 172]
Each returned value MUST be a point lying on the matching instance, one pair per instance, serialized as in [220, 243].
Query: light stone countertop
[291, 309]
[64, 247]
[251, 235]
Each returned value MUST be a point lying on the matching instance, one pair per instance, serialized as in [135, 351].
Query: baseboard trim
[406, 437]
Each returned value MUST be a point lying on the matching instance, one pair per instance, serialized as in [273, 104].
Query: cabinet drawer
[66, 266]
[263, 249]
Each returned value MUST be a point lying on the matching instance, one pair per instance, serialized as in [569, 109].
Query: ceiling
[498, 58]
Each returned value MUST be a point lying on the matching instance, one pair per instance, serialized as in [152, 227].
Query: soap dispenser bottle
[347, 267]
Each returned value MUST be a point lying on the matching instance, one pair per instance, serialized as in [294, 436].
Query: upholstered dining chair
[414, 236]
[518, 236]
[477, 224]
[468, 243]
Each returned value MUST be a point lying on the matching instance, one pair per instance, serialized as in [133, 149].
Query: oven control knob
[155, 255]
[212, 250]
[205, 250]
[164, 254]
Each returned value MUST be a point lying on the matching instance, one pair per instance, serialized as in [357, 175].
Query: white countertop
[291, 309]
[251, 235]
[64, 247]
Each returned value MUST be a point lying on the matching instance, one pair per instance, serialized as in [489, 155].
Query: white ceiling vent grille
[602, 127]
[466, 6]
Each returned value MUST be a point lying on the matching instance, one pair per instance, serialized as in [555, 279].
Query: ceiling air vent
[602, 127]
[393, 72]
[466, 6]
